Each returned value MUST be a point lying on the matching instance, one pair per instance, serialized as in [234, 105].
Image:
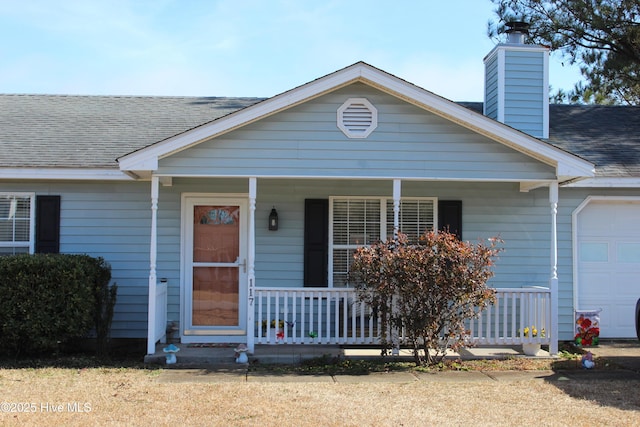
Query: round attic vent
[357, 118]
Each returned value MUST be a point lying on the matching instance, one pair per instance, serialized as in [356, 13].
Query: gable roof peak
[143, 162]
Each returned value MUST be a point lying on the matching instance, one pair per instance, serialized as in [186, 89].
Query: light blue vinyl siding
[112, 221]
[523, 94]
[491, 88]
[524, 91]
[305, 141]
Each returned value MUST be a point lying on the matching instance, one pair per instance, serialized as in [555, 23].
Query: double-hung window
[362, 221]
[16, 223]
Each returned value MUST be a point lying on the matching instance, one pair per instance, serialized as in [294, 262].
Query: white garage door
[608, 235]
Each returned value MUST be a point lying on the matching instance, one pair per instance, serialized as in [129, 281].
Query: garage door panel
[594, 287]
[621, 316]
[626, 288]
[607, 219]
[593, 252]
[591, 219]
[608, 256]
[629, 253]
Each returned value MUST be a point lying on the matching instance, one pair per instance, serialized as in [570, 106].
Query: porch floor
[291, 354]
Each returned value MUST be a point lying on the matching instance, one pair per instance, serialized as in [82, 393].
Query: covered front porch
[296, 315]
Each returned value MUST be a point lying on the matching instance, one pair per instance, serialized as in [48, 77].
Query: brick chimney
[517, 83]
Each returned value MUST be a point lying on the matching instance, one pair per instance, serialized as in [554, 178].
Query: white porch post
[397, 190]
[397, 187]
[153, 254]
[553, 281]
[251, 261]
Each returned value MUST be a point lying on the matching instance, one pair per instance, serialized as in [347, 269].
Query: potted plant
[531, 349]
[274, 333]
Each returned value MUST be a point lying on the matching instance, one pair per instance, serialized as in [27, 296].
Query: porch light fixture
[273, 220]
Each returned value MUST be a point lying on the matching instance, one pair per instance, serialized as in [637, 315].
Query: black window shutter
[316, 242]
[48, 224]
[450, 217]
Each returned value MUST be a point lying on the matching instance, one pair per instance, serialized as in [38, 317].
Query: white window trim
[383, 222]
[32, 223]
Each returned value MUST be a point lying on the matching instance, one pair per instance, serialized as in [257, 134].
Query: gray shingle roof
[608, 136]
[92, 131]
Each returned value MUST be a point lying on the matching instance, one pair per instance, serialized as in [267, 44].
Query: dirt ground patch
[130, 396]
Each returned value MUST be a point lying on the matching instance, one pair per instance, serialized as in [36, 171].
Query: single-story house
[222, 217]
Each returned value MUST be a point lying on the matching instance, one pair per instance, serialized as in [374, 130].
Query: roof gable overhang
[142, 163]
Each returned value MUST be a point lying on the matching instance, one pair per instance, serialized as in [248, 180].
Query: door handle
[243, 264]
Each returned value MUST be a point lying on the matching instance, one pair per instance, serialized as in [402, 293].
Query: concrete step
[200, 355]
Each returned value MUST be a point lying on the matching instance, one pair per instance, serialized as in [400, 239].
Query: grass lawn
[81, 393]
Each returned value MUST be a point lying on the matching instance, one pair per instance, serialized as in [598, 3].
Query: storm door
[215, 266]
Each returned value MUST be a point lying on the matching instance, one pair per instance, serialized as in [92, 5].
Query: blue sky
[242, 47]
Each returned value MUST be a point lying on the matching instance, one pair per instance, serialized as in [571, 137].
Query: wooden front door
[215, 267]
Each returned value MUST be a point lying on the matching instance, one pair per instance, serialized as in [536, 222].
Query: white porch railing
[334, 316]
[160, 329]
[504, 322]
[313, 316]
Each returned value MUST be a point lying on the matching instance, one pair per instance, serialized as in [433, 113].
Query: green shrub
[46, 300]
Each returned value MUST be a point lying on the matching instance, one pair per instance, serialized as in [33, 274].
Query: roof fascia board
[606, 182]
[356, 177]
[64, 174]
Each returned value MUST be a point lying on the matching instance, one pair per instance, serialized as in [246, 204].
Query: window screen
[416, 217]
[356, 222]
[15, 224]
[363, 221]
